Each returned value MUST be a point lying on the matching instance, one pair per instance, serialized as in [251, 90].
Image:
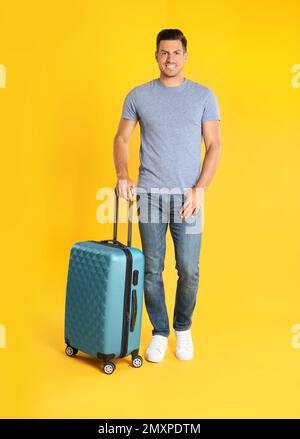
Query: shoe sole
[184, 359]
[155, 361]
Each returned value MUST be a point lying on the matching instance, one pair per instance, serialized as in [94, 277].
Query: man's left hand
[193, 202]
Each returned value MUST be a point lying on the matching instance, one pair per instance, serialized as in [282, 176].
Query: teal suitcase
[104, 298]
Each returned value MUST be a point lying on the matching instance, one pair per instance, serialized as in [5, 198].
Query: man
[174, 112]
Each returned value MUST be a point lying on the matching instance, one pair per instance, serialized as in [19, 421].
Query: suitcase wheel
[71, 351]
[109, 367]
[137, 361]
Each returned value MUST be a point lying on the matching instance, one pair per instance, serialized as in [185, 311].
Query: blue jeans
[155, 212]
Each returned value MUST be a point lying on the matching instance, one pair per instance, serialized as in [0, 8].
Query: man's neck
[172, 82]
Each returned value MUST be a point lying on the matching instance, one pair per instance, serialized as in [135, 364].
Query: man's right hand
[125, 188]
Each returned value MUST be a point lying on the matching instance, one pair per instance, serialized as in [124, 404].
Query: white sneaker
[157, 348]
[184, 345]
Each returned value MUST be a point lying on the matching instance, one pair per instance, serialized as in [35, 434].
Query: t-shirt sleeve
[211, 108]
[129, 110]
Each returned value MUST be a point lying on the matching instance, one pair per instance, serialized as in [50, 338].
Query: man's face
[170, 57]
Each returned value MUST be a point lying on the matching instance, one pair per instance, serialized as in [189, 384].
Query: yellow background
[69, 66]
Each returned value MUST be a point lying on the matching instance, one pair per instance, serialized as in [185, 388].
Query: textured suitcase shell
[99, 305]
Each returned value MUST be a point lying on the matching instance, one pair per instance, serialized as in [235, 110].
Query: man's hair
[171, 34]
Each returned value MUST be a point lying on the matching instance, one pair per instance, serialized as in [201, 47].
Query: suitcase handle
[116, 214]
[114, 242]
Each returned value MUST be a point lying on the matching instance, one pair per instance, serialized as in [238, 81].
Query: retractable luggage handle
[116, 214]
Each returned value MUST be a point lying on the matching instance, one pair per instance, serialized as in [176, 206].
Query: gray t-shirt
[170, 121]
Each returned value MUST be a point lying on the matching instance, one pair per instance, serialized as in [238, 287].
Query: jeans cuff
[183, 328]
[160, 333]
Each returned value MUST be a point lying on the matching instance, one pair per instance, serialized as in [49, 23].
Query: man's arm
[121, 156]
[195, 196]
[212, 141]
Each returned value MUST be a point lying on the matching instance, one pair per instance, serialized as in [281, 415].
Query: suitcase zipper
[126, 317]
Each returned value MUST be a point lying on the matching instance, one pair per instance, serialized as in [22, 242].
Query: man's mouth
[170, 65]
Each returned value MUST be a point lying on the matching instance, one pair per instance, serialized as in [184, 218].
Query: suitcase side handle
[133, 311]
[116, 214]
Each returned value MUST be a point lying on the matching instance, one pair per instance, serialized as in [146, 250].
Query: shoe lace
[184, 340]
[157, 343]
